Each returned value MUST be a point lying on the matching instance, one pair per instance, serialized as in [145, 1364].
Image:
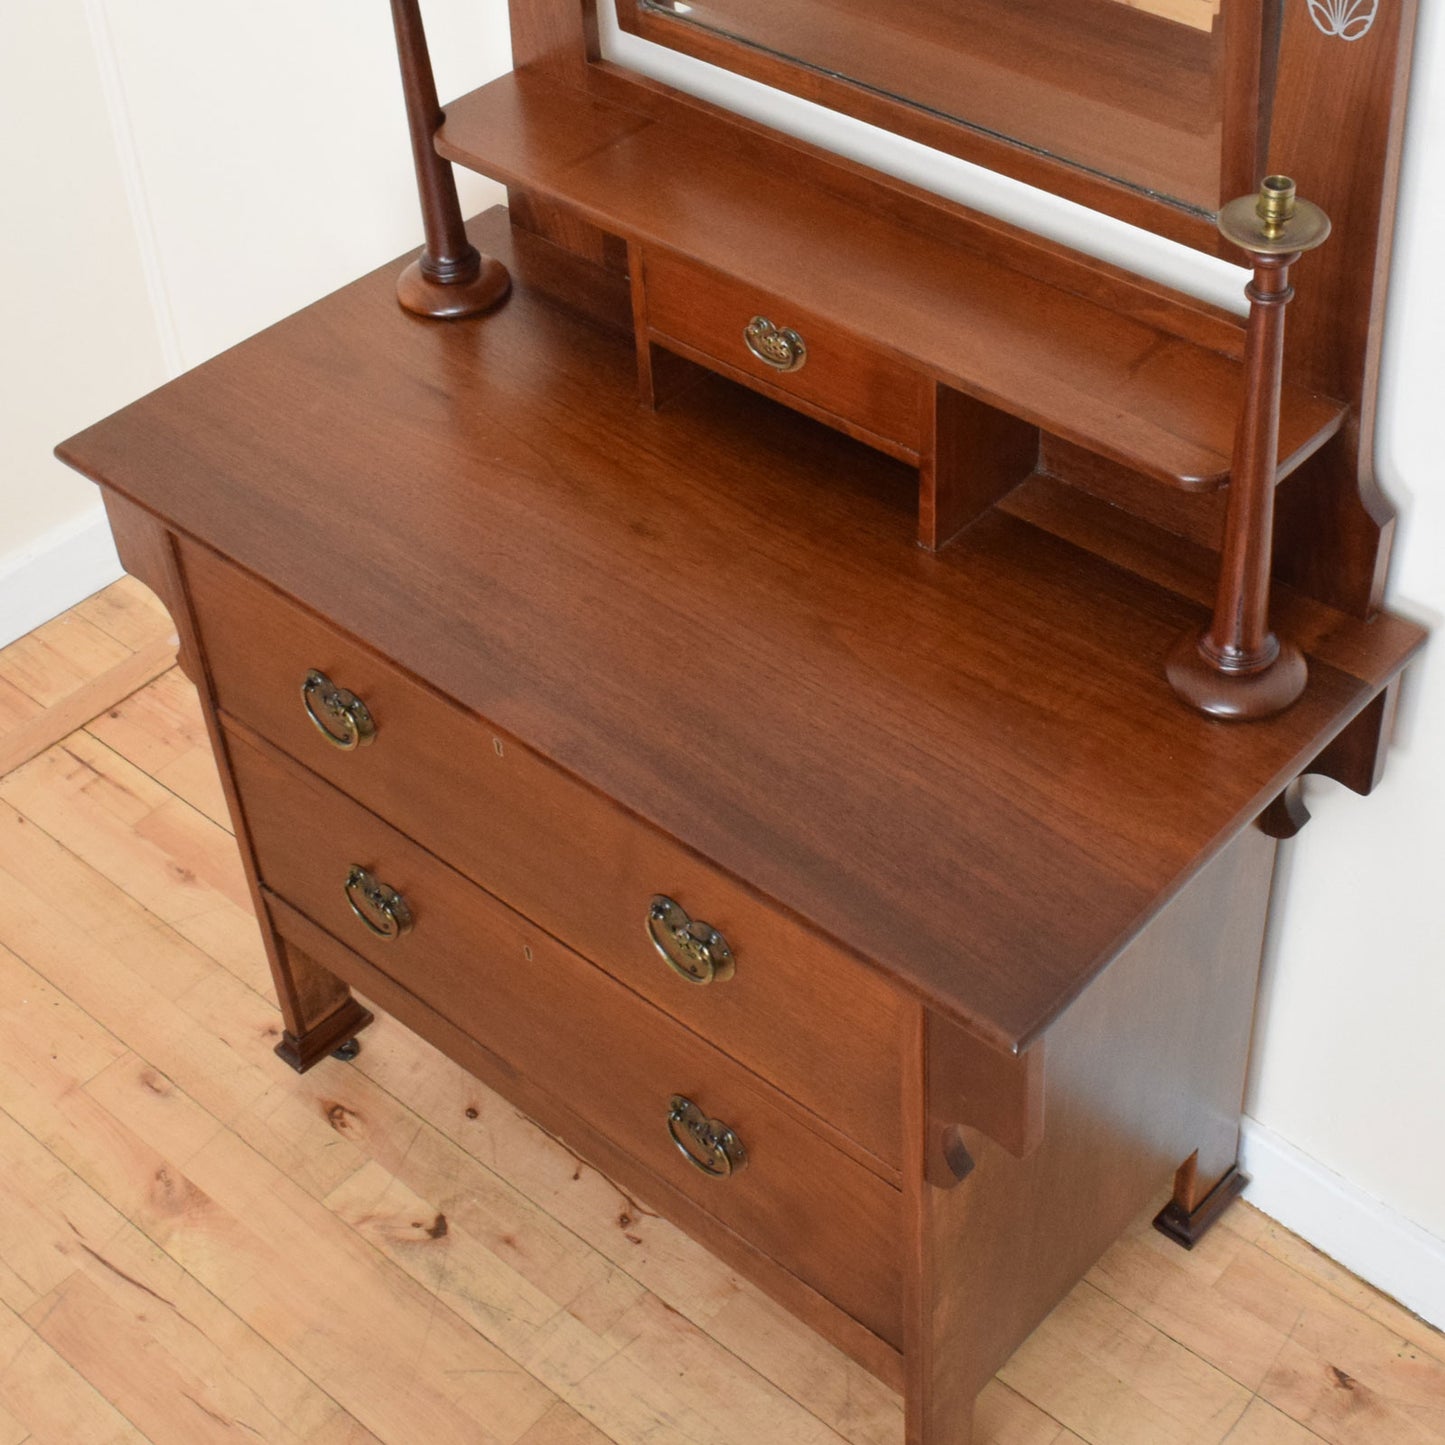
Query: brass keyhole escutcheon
[693, 950]
[707, 1144]
[777, 346]
[381, 908]
[339, 716]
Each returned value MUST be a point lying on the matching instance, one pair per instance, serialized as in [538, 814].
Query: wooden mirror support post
[1236, 667]
[451, 278]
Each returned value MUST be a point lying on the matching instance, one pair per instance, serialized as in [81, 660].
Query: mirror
[1163, 98]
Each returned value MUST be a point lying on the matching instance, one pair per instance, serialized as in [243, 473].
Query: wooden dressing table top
[967, 767]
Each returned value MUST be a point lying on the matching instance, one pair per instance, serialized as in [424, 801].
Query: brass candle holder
[1236, 667]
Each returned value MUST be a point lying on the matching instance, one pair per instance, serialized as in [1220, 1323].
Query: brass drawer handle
[340, 716]
[775, 346]
[707, 1144]
[383, 910]
[693, 950]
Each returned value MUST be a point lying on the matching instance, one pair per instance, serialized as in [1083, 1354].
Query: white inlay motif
[1349, 19]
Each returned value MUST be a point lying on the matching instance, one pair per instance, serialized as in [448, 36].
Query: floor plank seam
[196, 1281]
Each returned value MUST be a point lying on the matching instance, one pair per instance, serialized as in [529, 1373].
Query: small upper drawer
[769, 340]
[571, 860]
[619, 1064]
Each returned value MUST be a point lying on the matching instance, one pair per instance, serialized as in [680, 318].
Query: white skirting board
[1341, 1220]
[60, 568]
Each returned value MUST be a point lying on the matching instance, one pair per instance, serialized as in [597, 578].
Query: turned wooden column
[451, 278]
[1236, 667]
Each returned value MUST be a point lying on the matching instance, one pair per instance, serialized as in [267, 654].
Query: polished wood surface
[773, 217]
[561, 854]
[135, 1017]
[837, 665]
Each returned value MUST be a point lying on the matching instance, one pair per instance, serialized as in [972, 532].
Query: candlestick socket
[1274, 222]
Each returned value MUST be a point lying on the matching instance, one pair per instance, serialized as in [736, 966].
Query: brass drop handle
[381, 908]
[693, 950]
[707, 1144]
[777, 346]
[340, 716]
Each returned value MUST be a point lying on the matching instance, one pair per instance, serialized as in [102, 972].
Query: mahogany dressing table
[797, 684]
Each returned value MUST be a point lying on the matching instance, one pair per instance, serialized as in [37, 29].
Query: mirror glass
[1133, 90]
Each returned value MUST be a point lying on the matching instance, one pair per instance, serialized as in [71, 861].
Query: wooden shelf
[680, 177]
[965, 766]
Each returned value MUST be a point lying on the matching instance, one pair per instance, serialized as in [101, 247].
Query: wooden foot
[1187, 1227]
[329, 1036]
[1232, 695]
[440, 299]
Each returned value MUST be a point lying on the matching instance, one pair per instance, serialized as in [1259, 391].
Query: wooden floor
[196, 1245]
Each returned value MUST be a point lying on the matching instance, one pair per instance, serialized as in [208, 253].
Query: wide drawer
[713, 314]
[813, 1021]
[618, 1063]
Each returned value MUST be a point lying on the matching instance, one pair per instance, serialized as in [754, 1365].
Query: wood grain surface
[741, 644]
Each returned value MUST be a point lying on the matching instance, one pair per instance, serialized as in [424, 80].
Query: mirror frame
[1251, 45]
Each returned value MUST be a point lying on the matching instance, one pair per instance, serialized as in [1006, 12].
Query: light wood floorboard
[197, 1245]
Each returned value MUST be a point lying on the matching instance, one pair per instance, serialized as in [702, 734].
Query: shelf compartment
[676, 176]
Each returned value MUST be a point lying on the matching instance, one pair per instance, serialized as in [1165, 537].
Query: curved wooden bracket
[1356, 758]
[971, 1085]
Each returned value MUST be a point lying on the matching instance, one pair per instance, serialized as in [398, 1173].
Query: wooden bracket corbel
[974, 1086]
[1356, 758]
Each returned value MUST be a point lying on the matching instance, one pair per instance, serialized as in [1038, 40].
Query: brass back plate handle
[693, 950]
[707, 1144]
[381, 908]
[339, 716]
[777, 346]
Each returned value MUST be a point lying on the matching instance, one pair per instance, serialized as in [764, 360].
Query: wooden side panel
[558, 36]
[563, 227]
[317, 1008]
[974, 454]
[1338, 122]
[1145, 1069]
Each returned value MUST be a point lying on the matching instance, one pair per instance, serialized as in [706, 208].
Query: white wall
[77, 336]
[180, 175]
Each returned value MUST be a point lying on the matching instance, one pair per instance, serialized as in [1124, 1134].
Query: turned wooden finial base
[1235, 695]
[439, 300]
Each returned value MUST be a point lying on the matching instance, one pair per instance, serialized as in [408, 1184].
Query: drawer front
[814, 1022]
[610, 1057]
[711, 313]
